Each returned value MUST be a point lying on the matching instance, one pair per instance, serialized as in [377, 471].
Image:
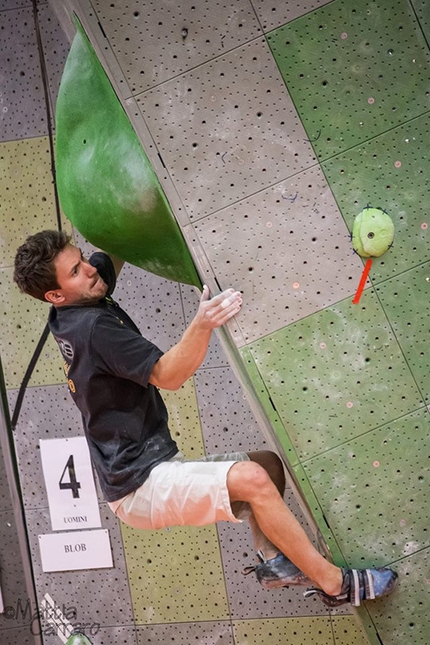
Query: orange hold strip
[364, 276]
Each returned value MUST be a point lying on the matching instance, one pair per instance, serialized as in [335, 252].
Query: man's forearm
[178, 364]
[181, 361]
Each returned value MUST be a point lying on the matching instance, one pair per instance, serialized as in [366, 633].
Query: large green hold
[106, 185]
[373, 232]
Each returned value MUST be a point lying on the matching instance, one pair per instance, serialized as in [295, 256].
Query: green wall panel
[340, 630]
[354, 70]
[405, 618]
[390, 172]
[406, 303]
[422, 9]
[373, 491]
[336, 375]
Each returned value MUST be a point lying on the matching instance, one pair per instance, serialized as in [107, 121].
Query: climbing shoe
[277, 572]
[359, 585]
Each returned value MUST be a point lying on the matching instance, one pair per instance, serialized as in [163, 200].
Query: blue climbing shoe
[277, 572]
[359, 585]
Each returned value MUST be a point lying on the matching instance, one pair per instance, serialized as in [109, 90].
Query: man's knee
[272, 463]
[247, 479]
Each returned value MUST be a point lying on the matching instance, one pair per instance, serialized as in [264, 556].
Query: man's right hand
[215, 312]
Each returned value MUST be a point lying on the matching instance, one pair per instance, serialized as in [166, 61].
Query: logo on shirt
[65, 348]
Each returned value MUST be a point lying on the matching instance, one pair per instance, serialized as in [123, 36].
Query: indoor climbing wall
[270, 125]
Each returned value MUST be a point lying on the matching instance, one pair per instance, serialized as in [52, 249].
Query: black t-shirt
[108, 363]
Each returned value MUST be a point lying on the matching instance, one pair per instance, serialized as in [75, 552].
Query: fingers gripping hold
[219, 309]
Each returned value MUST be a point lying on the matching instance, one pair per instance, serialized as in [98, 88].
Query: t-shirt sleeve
[104, 265]
[122, 352]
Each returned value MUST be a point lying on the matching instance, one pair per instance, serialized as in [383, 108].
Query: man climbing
[114, 376]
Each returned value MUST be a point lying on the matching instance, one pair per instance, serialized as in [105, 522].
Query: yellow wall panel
[27, 200]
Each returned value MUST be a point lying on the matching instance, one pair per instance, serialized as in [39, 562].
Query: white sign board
[75, 550]
[69, 481]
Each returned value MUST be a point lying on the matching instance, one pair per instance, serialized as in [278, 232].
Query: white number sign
[69, 481]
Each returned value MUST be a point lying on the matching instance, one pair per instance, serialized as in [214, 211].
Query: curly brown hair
[34, 262]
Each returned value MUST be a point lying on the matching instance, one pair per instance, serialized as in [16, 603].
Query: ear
[55, 297]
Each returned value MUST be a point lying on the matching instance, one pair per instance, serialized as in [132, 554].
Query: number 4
[72, 484]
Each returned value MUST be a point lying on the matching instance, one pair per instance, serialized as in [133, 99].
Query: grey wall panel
[13, 4]
[55, 49]
[47, 413]
[289, 248]
[228, 424]
[116, 636]
[15, 599]
[22, 105]
[20, 636]
[100, 596]
[207, 633]
[227, 129]
[5, 498]
[273, 13]
[153, 303]
[155, 41]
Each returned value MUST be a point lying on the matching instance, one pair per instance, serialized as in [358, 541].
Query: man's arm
[181, 361]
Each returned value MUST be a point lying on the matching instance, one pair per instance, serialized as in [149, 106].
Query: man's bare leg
[248, 481]
[273, 466]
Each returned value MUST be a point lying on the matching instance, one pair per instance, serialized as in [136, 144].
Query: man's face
[78, 279]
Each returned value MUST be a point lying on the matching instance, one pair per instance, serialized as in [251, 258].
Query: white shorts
[181, 492]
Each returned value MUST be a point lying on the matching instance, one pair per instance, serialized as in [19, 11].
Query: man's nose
[90, 269]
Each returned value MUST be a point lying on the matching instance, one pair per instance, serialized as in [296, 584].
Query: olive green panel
[27, 201]
[23, 320]
[27, 205]
[106, 184]
[176, 574]
[335, 375]
[390, 172]
[406, 302]
[348, 631]
[339, 630]
[354, 70]
[184, 420]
